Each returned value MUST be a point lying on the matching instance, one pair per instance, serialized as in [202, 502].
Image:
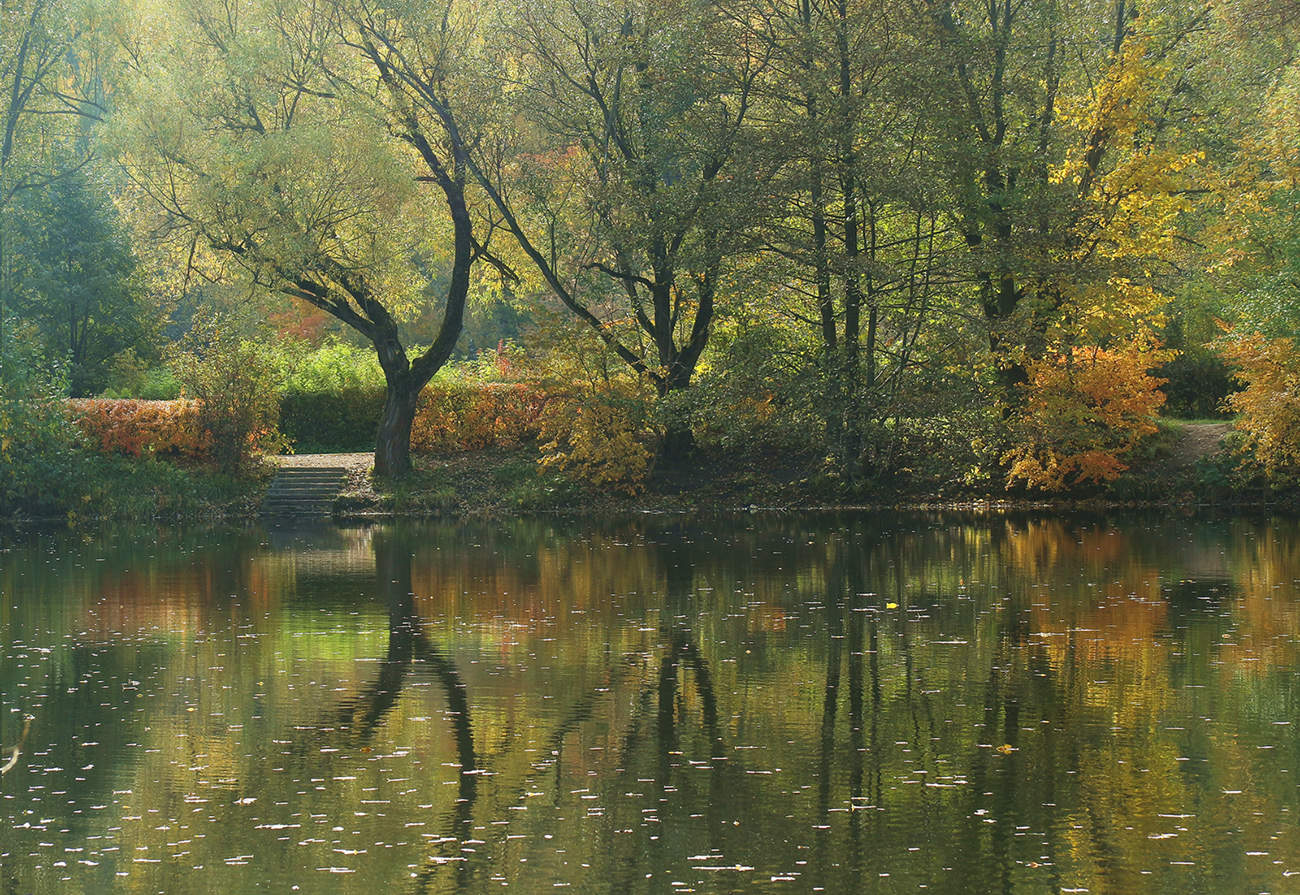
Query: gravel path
[351, 462]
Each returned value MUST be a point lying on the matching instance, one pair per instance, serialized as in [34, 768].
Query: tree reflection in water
[363, 714]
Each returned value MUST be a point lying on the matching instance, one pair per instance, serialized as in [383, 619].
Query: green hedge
[451, 417]
[324, 421]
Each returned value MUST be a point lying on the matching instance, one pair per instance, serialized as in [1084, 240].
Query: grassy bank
[1185, 464]
[137, 489]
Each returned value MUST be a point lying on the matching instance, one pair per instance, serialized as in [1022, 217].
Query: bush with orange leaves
[138, 428]
[1268, 407]
[1083, 411]
[467, 417]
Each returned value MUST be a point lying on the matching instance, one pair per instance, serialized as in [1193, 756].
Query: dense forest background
[987, 243]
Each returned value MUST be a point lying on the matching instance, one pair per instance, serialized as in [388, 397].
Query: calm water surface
[760, 704]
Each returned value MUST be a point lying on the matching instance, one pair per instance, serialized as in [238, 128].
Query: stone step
[310, 476]
[304, 491]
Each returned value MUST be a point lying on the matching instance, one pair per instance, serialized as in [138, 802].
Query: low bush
[140, 428]
[461, 418]
[233, 380]
[40, 456]
[1083, 413]
[600, 436]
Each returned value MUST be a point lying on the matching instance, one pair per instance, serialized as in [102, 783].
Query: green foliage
[73, 277]
[130, 376]
[331, 420]
[335, 367]
[1197, 385]
[45, 472]
[748, 400]
[40, 460]
[234, 382]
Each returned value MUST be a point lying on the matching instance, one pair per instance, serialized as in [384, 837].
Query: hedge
[449, 418]
[135, 427]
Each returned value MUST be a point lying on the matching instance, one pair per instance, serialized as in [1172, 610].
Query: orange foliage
[461, 418]
[134, 427]
[302, 322]
[1269, 406]
[1083, 411]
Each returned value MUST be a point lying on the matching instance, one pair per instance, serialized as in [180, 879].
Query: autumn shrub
[1083, 411]
[466, 417]
[233, 381]
[1268, 406]
[136, 428]
[599, 432]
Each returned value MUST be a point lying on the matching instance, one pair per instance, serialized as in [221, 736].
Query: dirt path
[1196, 441]
[305, 461]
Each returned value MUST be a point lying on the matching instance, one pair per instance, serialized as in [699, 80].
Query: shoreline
[492, 483]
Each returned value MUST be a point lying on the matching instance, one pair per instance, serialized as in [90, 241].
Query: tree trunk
[678, 444]
[393, 447]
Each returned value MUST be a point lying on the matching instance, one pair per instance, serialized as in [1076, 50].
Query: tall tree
[73, 275]
[623, 164]
[265, 139]
[859, 244]
[41, 89]
[1058, 121]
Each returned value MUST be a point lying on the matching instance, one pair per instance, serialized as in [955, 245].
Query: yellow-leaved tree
[1089, 395]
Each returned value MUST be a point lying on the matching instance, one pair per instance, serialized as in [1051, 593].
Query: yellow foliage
[1083, 411]
[598, 438]
[470, 418]
[1132, 194]
[1269, 406]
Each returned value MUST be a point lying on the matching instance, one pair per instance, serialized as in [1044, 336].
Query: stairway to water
[304, 491]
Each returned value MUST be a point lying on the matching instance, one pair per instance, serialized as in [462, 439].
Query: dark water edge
[764, 702]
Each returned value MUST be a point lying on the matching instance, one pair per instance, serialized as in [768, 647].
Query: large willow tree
[276, 155]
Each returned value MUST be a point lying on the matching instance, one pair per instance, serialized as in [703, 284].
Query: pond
[803, 703]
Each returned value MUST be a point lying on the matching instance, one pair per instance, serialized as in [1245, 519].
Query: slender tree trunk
[852, 250]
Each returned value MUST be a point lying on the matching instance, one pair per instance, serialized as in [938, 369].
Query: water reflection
[772, 704]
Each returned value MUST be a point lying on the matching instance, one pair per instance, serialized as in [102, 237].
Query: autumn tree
[1061, 126]
[270, 144]
[623, 163]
